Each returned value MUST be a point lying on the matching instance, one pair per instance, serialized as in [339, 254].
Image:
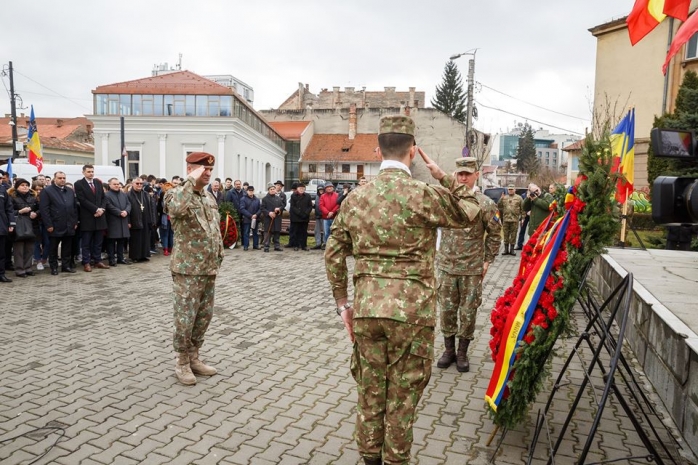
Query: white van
[22, 169]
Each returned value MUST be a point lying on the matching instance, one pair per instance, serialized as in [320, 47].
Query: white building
[171, 115]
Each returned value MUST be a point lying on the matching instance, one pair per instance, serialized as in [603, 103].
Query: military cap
[396, 124]
[201, 158]
[511, 186]
[466, 165]
[279, 182]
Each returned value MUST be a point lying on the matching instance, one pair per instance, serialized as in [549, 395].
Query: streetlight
[471, 82]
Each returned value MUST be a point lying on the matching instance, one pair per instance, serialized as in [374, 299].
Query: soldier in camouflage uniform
[511, 210]
[462, 261]
[196, 258]
[389, 226]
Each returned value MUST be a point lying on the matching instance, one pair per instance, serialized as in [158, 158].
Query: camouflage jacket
[511, 208]
[389, 226]
[198, 246]
[463, 251]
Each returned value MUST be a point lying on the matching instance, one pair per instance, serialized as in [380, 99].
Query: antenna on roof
[179, 63]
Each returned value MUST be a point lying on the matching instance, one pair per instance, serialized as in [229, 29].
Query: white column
[105, 150]
[163, 155]
[220, 158]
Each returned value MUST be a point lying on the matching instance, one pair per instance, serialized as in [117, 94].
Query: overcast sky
[537, 51]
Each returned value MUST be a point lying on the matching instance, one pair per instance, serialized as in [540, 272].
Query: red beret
[201, 158]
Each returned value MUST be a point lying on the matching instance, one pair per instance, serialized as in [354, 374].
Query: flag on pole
[9, 169]
[647, 14]
[623, 150]
[522, 311]
[683, 35]
[34, 144]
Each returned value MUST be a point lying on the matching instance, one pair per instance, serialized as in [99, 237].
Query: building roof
[290, 130]
[339, 148]
[576, 147]
[55, 133]
[178, 82]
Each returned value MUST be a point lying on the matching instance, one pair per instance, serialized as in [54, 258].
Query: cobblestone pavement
[91, 352]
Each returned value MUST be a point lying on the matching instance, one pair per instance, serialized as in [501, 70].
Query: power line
[532, 104]
[51, 90]
[530, 119]
[51, 95]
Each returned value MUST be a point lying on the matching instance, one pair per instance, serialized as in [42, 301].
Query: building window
[134, 158]
[100, 104]
[137, 105]
[692, 47]
[179, 104]
[169, 105]
[346, 168]
[189, 105]
[329, 168]
[312, 167]
[148, 105]
[124, 105]
[226, 105]
[202, 105]
[113, 104]
[158, 105]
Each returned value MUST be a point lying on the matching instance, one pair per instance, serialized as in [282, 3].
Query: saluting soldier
[389, 226]
[511, 208]
[463, 259]
[196, 258]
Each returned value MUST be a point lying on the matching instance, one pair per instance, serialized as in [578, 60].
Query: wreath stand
[618, 379]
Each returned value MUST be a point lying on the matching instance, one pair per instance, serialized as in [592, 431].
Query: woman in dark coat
[26, 207]
[118, 211]
[139, 222]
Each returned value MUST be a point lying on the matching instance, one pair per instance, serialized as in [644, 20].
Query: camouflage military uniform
[460, 263]
[196, 257]
[511, 209]
[389, 226]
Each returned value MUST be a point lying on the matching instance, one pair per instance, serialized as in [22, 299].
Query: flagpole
[624, 219]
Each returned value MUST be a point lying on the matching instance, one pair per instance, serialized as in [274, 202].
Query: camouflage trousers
[193, 309]
[391, 364]
[459, 297]
[509, 229]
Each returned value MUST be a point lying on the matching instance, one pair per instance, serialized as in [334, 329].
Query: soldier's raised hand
[436, 172]
[198, 172]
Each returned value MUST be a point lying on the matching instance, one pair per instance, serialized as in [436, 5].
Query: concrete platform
[664, 323]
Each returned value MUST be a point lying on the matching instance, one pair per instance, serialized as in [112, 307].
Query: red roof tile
[574, 147]
[289, 130]
[338, 147]
[179, 82]
[56, 133]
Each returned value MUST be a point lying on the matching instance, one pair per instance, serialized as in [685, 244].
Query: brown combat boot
[449, 355]
[199, 367]
[183, 370]
[462, 362]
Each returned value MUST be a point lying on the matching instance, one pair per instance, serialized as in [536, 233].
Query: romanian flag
[647, 14]
[683, 35]
[522, 311]
[34, 144]
[623, 149]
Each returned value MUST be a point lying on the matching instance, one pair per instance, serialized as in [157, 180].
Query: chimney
[352, 121]
[59, 123]
[389, 90]
[410, 102]
[301, 96]
[335, 96]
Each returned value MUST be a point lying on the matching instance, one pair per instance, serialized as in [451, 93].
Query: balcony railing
[334, 176]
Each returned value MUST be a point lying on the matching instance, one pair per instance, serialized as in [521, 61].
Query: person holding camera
[346, 189]
[272, 207]
[538, 204]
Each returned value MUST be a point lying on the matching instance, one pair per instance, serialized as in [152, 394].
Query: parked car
[495, 193]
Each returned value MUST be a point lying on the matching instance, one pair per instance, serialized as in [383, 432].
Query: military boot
[506, 250]
[183, 370]
[462, 362]
[511, 250]
[373, 461]
[449, 355]
[199, 367]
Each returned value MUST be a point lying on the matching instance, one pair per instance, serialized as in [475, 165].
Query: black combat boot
[449, 355]
[373, 461]
[506, 250]
[511, 251]
[462, 362]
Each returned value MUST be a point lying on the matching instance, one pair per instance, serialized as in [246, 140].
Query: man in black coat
[59, 213]
[301, 206]
[140, 222]
[93, 219]
[118, 211]
[272, 209]
[7, 224]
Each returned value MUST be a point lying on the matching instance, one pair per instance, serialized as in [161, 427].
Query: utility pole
[469, 116]
[13, 114]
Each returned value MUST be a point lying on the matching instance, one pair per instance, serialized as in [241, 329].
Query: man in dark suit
[93, 221]
[59, 213]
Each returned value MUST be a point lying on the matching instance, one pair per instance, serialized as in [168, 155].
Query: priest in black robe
[140, 222]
